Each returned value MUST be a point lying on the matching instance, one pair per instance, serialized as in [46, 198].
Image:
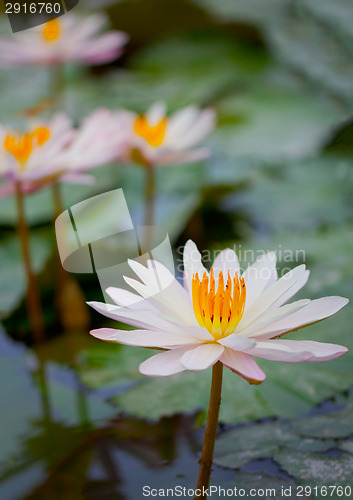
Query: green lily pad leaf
[347, 446]
[336, 16]
[202, 56]
[244, 444]
[333, 425]
[310, 194]
[278, 123]
[244, 11]
[110, 364]
[266, 483]
[13, 280]
[254, 437]
[310, 48]
[238, 458]
[195, 69]
[326, 251]
[316, 469]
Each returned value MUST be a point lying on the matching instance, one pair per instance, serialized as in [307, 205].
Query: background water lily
[32, 156]
[67, 38]
[159, 140]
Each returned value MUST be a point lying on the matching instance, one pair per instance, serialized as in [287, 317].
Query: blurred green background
[77, 419]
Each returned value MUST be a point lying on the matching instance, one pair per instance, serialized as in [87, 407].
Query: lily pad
[335, 425]
[244, 444]
[347, 446]
[13, 280]
[311, 194]
[316, 469]
[278, 123]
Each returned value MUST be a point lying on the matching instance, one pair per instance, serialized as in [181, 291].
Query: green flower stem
[61, 274]
[150, 200]
[203, 479]
[58, 87]
[69, 298]
[34, 308]
[150, 195]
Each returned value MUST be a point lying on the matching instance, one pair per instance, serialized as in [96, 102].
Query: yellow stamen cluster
[153, 134]
[51, 31]
[21, 145]
[218, 310]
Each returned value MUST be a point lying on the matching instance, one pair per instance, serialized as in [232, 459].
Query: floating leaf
[333, 425]
[277, 123]
[317, 470]
[347, 446]
[309, 194]
[13, 280]
[244, 444]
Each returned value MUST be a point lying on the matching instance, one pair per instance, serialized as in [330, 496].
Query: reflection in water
[62, 441]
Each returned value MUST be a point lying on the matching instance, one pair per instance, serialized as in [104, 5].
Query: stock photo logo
[26, 14]
[97, 236]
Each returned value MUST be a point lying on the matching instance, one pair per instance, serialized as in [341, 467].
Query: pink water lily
[51, 150]
[68, 38]
[219, 315]
[32, 156]
[159, 140]
[101, 138]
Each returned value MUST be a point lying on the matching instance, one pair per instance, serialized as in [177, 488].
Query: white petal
[200, 129]
[258, 275]
[243, 365]
[198, 332]
[169, 281]
[137, 318]
[292, 291]
[124, 298]
[276, 351]
[237, 342]
[315, 311]
[156, 113]
[163, 291]
[192, 263]
[269, 297]
[164, 364]
[147, 275]
[272, 316]
[225, 261]
[295, 351]
[321, 350]
[202, 357]
[143, 338]
[179, 123]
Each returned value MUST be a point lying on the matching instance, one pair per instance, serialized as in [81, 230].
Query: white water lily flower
[68, 38]
[218, 316]
[159, 140]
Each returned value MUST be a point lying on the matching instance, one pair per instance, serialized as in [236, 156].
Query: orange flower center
[153, 134]
[21, 145]
[51, 31]
[219, 310]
